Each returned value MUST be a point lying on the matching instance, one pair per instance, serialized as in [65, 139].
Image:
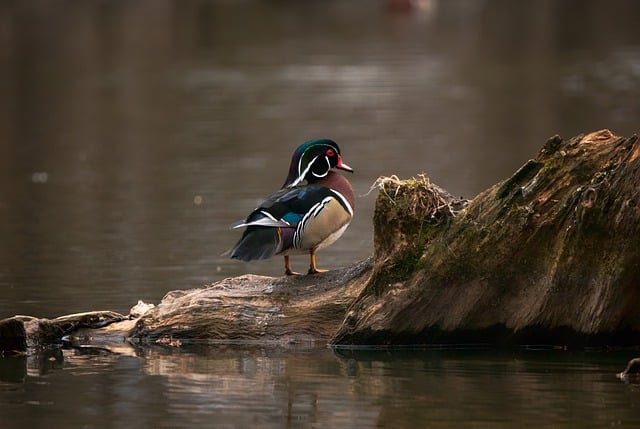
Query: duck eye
[330, 152]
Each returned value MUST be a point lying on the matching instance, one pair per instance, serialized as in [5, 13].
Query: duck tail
[257, 242]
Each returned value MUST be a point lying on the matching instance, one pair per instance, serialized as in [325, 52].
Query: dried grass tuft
[416, 197]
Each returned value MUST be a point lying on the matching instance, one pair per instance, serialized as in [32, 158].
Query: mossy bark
[550, 255]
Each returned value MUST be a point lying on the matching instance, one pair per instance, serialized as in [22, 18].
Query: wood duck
[301, 218]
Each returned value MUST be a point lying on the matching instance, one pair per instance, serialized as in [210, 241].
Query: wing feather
[286, 208]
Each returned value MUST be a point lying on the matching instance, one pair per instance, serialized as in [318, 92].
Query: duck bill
[342, 166]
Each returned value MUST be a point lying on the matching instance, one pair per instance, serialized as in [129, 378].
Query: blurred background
[133, 133]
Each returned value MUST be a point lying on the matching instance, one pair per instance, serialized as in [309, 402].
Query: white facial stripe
[302, 175]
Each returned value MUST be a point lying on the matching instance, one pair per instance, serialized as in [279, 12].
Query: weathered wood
[19, 334]
[631, 372]
[550, 255]
[294, 308]
[290, 309]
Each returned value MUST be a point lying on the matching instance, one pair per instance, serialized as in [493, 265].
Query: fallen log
[548, 256]
[286, 310]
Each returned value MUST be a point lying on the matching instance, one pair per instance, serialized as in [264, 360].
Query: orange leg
[287, 267]
[313, 269]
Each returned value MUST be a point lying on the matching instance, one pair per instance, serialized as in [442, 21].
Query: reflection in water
[275, 387]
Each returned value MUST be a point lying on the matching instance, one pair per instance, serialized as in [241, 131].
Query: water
[243, 386]
[132, 134]
[127, 150]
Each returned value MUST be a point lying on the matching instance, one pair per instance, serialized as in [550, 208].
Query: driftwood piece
[295, 309]
[21, 333]
[291, 309]
[632, 372]
[548, 256]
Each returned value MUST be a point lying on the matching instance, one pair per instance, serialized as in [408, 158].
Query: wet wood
[548, 256]
[21, 333]
[631, 372]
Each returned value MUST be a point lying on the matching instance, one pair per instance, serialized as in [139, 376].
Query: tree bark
[548, 256]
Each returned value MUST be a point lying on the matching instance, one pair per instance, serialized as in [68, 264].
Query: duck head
[312, 161]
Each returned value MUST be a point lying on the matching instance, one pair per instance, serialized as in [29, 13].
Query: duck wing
[286, 208]
[271, 226]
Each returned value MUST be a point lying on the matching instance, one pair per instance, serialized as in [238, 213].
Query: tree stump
[548, 256]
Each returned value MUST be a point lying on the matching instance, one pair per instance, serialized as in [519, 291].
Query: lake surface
[132, 134]
[278, 387]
